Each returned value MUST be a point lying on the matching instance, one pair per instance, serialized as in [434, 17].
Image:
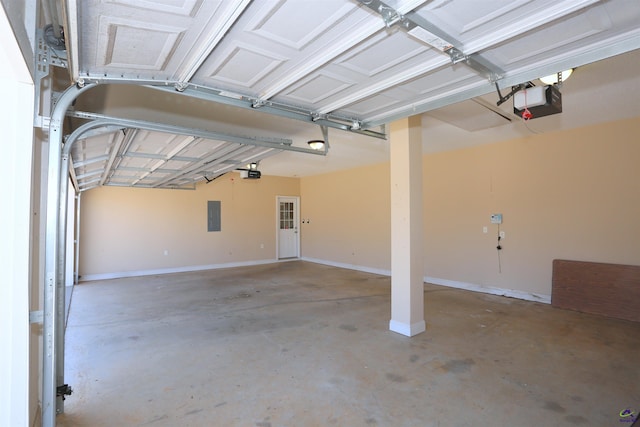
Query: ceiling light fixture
[553, 78]
[316, 144]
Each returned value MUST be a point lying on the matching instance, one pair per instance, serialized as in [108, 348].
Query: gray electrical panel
[213, 215]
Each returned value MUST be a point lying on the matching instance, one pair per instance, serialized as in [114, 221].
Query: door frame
[297, 223]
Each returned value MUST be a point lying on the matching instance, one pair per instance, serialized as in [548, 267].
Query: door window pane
[286, 216]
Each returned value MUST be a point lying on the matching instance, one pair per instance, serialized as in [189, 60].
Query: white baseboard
[362, 268]
[122, 274]
[528, 296]
[512, 293]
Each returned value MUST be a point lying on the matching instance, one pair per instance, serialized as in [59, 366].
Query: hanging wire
[527, 115]
[526, 124]
[499, 248]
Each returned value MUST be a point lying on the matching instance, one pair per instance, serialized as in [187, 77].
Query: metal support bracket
[282, 110]
[325, 137]
[514, 90]
[181, 86]
[424, 30]
[64, 390]
[36, 316]
[41, 122]
[390, 16]
[46, 56]
[477, 63]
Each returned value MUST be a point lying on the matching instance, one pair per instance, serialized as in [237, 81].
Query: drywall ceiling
[278, 68]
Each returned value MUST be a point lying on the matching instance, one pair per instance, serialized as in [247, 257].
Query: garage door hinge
[41, 122]
[36, 316]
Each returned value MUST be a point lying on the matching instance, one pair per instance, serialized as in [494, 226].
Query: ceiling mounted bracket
[257, 103]
[181, 86]
[423, 30]
[477, 63]
[514, 90]
[325, 136]
[389, 15]
[317, 116]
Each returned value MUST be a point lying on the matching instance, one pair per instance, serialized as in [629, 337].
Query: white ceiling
[337, 62]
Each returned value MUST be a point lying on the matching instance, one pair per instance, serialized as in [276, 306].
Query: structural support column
[407, 286]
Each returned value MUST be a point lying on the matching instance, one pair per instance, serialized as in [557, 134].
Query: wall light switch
[485, 230]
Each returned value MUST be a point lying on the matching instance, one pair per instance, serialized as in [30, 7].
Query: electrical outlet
[501, 235]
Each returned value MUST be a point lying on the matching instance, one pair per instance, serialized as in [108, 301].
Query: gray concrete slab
[301, 344]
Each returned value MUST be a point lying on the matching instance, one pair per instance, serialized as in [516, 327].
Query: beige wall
[37, 274]
[129, 229]
[572, 195]
[349, 213]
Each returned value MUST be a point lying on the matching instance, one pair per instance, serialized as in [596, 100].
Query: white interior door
[288, 226]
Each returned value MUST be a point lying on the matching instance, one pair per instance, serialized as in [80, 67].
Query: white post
[407, 286]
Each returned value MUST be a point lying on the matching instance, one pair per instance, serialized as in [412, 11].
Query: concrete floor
[301, 344]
